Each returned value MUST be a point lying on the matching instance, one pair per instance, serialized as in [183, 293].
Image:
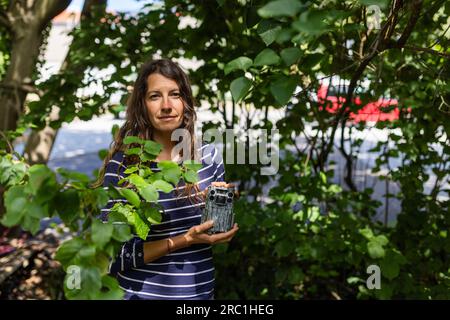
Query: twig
[10, 146]
[439, 38]
[416, 7]
[23, 87]
[428, 50]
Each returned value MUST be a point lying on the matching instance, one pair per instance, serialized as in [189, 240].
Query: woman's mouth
[167, 118]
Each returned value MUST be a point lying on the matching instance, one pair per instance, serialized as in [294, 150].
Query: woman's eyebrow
[159, 91]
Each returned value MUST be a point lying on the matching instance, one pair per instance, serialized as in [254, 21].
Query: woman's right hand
[197, 234]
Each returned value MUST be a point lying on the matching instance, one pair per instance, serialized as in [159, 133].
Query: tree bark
[40, 143]
[25, 20]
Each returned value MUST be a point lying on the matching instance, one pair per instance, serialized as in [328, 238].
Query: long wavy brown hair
[138, 122]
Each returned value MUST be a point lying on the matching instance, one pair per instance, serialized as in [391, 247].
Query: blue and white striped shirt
[187, 273]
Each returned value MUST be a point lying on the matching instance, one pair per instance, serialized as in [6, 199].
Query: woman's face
[164, 103]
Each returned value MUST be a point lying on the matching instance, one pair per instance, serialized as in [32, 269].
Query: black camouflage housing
[219, 208]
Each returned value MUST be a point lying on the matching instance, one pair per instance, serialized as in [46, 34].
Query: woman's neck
[164, 138]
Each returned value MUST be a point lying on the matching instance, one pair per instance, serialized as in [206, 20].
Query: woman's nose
[166, 104]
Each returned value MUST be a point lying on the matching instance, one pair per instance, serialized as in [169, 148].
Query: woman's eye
[176, 94]
[153, 96]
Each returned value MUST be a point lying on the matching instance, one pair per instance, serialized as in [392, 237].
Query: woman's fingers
[204, 226]
[222, 184]
[225, 236]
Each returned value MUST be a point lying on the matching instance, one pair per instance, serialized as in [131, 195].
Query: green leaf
[172, 175]
[155, 176]
[381, 239]
[41, 178]
[192, 165]
[163, 186]
[375, 250]
[296, 275]
[121, 232]
[132, 151]
[102, 260]
[241, 63]
[389, 267]
[132, 139]
[101, 233]
[311, 23]
[149, 193]
[146, 172]
[385, 292]
[145, 157]
[90, 285]
[140, 226]
[266, 57]
[115, 128]
[290, 55]
[100, 196]
[152, 147]
[353, 280]
[166, 164]
[283, 248]
[113, 192]
[280, 8]
[110, 289]
[131, 196]
[313, 213]
[68, 251]
[239, 88]
[268, 31]
[190, 176]
[284, 35]
[102, 154]
[367, 233]
[36, 211]
[153, 215]
[15, 203]
[11, 173]
[118, 213]
[87, 253]
[283, 89]
[138, 181]
[312, 61]
[31, 224]
[130, 170]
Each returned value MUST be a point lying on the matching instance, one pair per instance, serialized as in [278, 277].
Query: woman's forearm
[157, 249]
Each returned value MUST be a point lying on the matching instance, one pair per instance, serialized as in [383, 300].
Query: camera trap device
[219, 208]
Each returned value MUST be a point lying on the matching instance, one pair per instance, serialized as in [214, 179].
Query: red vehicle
[333, 97]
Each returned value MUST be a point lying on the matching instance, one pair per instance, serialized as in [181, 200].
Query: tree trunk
[25, 49]
[26, 21]
[40, 143]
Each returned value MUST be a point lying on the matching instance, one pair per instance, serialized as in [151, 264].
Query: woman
[175, 262]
